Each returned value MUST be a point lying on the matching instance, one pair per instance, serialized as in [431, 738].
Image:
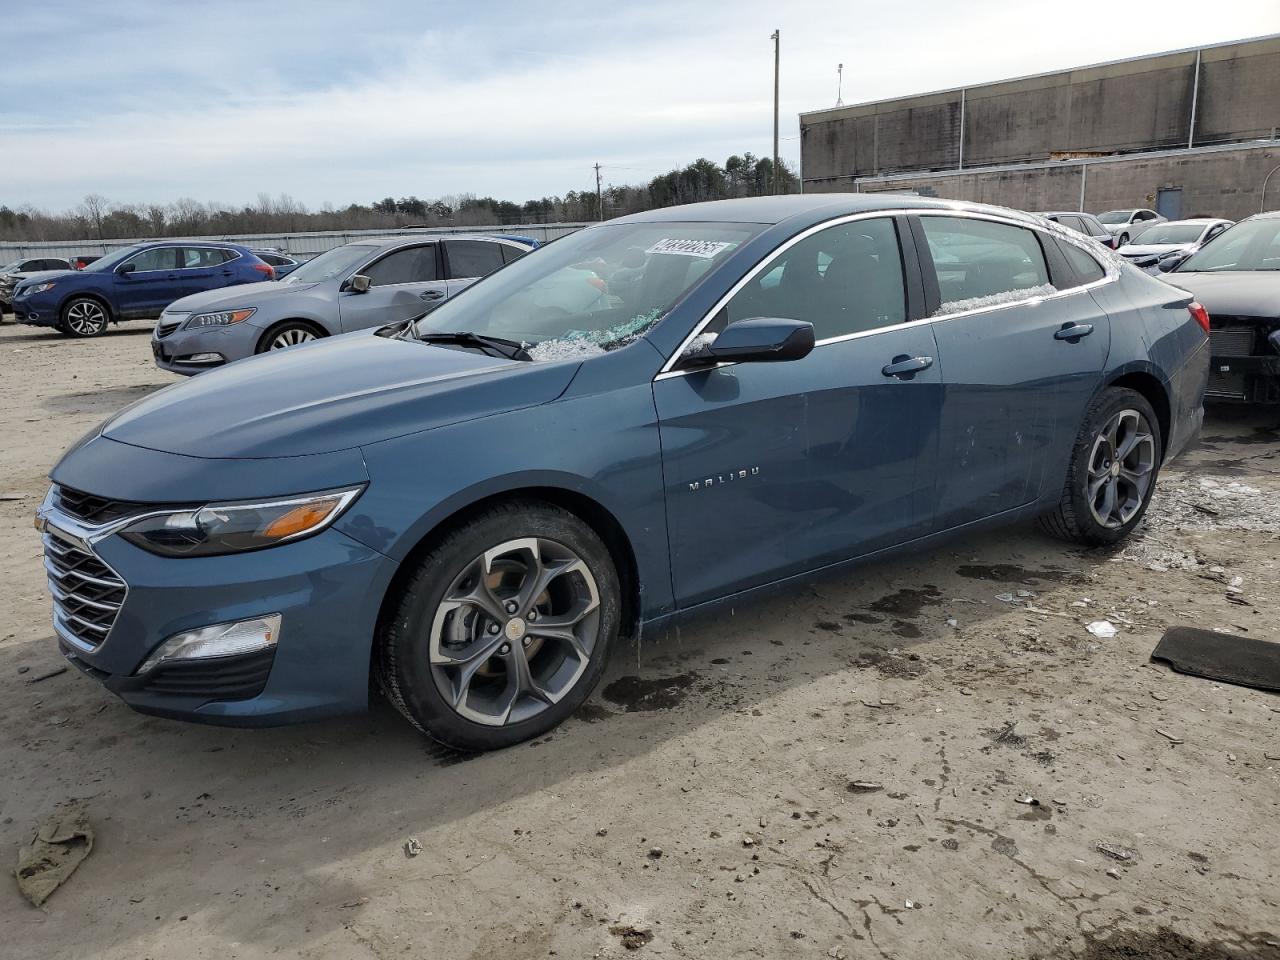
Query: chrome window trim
[1110, 274]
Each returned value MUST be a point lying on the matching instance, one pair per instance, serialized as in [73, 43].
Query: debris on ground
[1169, 736]
[1228, 657]
[1028, 800]
[1115, 851]
[412, 847]
[632, 937]
[60, 845]
[1102, 629]
[48, 674]
[863, 786]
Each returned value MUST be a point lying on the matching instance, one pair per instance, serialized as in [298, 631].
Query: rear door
[152, 284]
[777, 468]
[204, 268]
[469, 260]
[1018, 361]
[406, 283]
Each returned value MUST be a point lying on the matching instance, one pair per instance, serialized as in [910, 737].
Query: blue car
[134, 283]
[471, 508]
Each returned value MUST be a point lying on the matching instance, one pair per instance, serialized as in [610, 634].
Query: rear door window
[157, 258]
[473, 258]
[192, 258]
[411, 265]
[510, 252]
[982, 263]
[1087, 269]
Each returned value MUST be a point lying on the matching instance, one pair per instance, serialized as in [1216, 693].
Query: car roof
[429, 238]
[1197, 221]
[1066, 213]
[810, 207]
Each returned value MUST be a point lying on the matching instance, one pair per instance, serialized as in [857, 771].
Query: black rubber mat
[1221, 656]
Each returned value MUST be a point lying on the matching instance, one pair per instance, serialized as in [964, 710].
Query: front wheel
[1113, 470]
[503, 629]
[292, 333]
[1123, 241]
[83, 317]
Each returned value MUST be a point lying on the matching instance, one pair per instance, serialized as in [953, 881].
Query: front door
[776, 468]
[406, 283]
[151, 285]
[1013, 381]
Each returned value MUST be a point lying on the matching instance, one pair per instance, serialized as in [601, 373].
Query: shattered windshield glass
[592, 291]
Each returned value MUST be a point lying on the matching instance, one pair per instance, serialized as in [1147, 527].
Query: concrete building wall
[1219, 182]
[1132, 105]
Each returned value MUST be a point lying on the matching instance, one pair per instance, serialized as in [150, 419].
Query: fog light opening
[202, 358]
[217, 640]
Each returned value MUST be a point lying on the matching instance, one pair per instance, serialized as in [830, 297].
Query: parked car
[83, 260]
[1237, 278]
[135, 282]
[1085, 223]
[284, 265]
[476, 506]
[13, 273]
[365, 284]
[1172, 241]
[1124, 225]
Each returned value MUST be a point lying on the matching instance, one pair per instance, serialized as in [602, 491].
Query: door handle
[905, 367]
[431, 295]
[1072, 332]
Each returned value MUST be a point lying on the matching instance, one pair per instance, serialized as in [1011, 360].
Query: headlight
[236, 527]
[221, 319]
[38, 288]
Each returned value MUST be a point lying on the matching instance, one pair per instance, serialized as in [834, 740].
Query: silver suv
[364, 284]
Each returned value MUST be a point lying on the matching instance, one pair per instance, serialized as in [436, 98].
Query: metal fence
[302, 245]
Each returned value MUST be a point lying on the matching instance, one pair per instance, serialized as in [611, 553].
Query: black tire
[83, 317]
[403, 664]
[1074, 518]
[1124, 239]
[299, 330]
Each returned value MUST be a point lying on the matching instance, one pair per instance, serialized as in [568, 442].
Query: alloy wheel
[515, 631]
[85, 318]
[1121, 469]
[291, 337]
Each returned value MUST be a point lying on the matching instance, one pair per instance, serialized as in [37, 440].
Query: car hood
[41, 275]
[1152, 249]
[1244, 293]
[241, 295]
[334, 394]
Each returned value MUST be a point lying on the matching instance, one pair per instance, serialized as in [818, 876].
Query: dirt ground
[705, 803]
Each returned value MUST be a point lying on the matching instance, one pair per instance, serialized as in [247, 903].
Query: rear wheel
[291, 333]
[1113, 470]
[83, 317]
[503, 629]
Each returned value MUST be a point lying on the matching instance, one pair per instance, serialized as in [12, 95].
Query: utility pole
[599, 196]
[839, 84]
[777, 50]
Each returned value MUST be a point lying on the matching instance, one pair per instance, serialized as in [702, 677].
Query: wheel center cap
[515, 629]
[1115, 469]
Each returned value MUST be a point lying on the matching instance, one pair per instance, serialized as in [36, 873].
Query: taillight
[1200, 315]
[266, 268]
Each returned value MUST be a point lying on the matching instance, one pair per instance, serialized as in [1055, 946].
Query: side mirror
[126, 268]
[359, 283]
[758, 340]
[1171, 262]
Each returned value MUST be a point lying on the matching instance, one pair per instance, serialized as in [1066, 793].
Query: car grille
[93, 509]
[166, 327]
[1231, 342]
[87, 594]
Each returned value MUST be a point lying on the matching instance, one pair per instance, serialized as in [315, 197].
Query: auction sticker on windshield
[703, 249]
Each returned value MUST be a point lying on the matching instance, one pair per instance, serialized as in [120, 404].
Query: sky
[350, 102]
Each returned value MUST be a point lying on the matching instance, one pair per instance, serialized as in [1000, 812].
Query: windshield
[330, 264]
[1172, 233]
[10, 267]
[593, 290]
[109, 261]
[1252, 245]
[1115, 216]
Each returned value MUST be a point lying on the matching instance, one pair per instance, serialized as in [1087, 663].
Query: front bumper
[173, 351]
[40, 310]
[327, 588]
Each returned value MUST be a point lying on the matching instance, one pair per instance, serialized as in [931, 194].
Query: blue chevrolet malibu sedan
[132, 283]
[469, 509]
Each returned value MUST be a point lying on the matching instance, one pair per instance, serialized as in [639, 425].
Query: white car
[1124, 225]
[1174, 239]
